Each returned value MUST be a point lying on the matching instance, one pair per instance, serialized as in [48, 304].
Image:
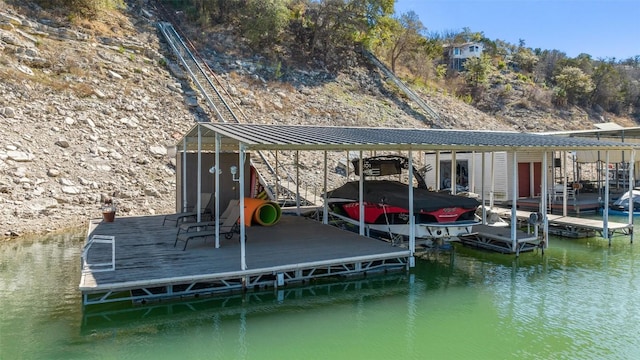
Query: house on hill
[459, 53]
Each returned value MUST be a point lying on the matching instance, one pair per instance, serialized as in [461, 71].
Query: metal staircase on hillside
[436, 122]
[210, 88]
[205, 84]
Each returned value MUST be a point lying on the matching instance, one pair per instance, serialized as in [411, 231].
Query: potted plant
[108, 210]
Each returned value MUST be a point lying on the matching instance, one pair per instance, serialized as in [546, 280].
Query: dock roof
[305, 137]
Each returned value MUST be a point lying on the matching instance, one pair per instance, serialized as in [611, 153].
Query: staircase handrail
[410, 93]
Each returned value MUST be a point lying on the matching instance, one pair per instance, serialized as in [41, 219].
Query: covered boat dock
[139, 263]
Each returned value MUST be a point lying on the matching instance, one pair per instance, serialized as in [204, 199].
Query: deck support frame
[194, 286]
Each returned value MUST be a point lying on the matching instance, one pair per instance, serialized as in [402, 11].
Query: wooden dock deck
[580, 204]
[147, 266]
[498, 239]
[571, 226]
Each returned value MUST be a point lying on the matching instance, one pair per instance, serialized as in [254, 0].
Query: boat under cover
[621, 205]
[386, 203]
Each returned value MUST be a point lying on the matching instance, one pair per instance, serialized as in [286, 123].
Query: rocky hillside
[91, 111]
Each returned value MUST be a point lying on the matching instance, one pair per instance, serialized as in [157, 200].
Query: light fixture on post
[213, 169]
[234, 171]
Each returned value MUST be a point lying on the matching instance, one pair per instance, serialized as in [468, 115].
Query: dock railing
[99, 267]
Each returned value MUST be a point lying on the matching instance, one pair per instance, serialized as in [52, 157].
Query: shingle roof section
[259, 136]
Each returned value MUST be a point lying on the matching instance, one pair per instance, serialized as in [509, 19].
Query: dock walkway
[498, 239]
[570, 226]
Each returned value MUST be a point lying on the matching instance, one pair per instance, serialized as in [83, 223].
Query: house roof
[304, 137]
[463, 44]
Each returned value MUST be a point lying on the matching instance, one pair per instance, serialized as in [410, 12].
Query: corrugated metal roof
[621, 133]
[304, 137]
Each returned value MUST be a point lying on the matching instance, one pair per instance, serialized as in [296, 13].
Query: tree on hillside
[583, 62]
[335, 27]
[548, 62]
[607, 90]
[404, 36]
[630, 89]
[573, 83]
[477, 70]
[468, 36]
[524, 59]
[264, 23]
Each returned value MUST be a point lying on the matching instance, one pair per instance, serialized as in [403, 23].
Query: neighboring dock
[570, 226]
[134, 259]
[498, 239]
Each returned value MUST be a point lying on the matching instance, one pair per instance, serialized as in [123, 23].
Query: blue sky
[600, 28]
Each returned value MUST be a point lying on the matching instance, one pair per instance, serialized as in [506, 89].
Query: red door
[524, 180]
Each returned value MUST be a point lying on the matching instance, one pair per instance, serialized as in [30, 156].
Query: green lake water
[581, 300]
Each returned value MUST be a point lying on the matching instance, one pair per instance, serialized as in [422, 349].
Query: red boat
[386, 205]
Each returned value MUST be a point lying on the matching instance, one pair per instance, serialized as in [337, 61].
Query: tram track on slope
[220, 103]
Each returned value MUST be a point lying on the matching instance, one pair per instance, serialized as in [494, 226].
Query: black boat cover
[395, 193]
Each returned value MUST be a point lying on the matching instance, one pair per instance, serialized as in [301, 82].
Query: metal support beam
[184, 174]
[325, 207]
[243, 219]
[218, 142]
[514, 205]
[361, 195]
[297, 183]
[412, 219]
[545, 198]
[605, 213]
[493, 179]
[438, 186]
[632, 182]
[199, 200]
[454, 173]
[482, 183]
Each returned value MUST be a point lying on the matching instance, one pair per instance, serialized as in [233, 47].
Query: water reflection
[238, 305]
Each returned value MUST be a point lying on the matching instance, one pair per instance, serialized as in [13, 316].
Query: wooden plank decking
[146, 256]
[498, 239]
[570, 222]
[581, 203]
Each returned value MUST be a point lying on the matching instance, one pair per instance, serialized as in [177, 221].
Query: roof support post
[199, 200]
[454, 174]
[632, 182]
[484, 209]
[297, 183]
[532, 177]
[514, 205]
[184, 174]
[277, 194]
[218, 141]
[438, 180]
[472, 174]
[361, 195]
[243, 219]
[564, 182]
[325, 207]
[412, 219]
[493, 179]
[605, 213]
[543, 200]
